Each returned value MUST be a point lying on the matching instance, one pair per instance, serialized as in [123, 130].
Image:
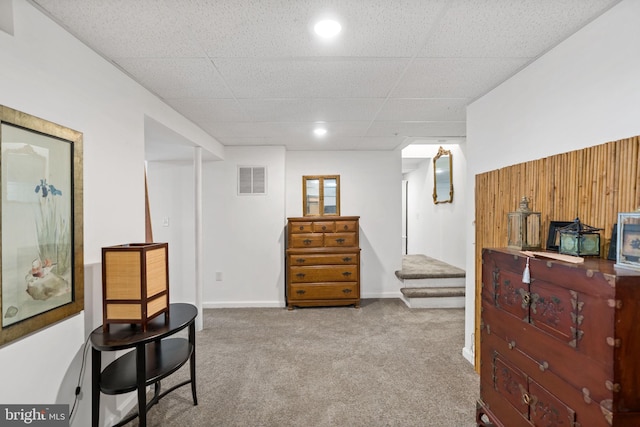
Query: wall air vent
[252, 180]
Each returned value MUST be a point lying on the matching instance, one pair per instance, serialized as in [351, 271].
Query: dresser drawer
[336, 240]
[307, 240]
[324, 227]
[345, 290]
[346, 273]
[301, 227]
[342, 226]
[329, 259]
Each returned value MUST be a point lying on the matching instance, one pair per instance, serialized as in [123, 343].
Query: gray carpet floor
[381, 365]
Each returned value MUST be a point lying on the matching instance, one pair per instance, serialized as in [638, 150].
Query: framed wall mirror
[321, 195]
[443, 177]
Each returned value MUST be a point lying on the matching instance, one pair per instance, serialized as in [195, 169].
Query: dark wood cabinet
[562, 350]
[323, 261]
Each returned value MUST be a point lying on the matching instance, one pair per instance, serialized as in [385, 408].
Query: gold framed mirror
[321, 195]
[443, 177]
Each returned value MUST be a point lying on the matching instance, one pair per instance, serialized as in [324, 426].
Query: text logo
[34, 415]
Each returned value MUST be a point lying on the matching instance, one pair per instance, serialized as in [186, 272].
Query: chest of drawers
[562, 350]
[323, 261]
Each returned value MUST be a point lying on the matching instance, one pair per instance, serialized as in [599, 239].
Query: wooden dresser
[323, 261]
[563, 350]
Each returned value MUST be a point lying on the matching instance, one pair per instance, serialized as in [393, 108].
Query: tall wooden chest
[323, 261]
[563, 350]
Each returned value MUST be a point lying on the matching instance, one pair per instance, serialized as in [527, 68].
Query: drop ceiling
[252, 72]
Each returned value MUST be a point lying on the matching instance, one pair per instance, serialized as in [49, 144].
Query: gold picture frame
[41, 230]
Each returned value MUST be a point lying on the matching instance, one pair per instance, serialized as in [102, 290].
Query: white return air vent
[252, 180]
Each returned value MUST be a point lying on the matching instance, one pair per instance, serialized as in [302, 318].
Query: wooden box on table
[135, 283]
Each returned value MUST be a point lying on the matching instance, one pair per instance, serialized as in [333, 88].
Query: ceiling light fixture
[319, 131]
[327, 28]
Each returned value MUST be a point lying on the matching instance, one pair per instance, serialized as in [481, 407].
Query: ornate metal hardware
[300, 260]
[586, 395]
[512, 345]
[611, 386]
[307, 241]
[346, 291]
[526, 299]
[300, 291]
[300, 275]
[340, 240]
[347, 259]
[614, 342]
[543, 366]
[346, 273]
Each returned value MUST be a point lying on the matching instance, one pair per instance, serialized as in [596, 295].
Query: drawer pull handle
[526, 399]
[526, 299]
[300, 260]
[302, 227]
[307, 241]
[346, 227]
[544, 366]
[300, 291]
[300, 275]
[324, 227]
[347, 259]
[340, 240]
[346, 291]
[346, 274]
[512, 345]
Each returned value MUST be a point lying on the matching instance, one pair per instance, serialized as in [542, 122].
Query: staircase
[430, 283]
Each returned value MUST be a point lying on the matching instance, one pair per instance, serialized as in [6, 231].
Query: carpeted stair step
[433, 292]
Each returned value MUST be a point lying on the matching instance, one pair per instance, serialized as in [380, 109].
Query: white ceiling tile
[124, 28]
[312, 109]
[205, 110]
[283, 28]
[313, 78]
[499, 28]
[414, 129]
[446, 109]
[455, 77]
[177, 78]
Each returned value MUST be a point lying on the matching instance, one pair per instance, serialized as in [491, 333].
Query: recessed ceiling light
[327, 28]
[319, 131]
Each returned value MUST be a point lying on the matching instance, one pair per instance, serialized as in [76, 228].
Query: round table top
[122, 336]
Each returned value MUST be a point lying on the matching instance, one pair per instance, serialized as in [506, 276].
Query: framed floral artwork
[41, 225]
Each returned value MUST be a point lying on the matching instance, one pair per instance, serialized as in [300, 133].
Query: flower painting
[37, 205]
[41, 224]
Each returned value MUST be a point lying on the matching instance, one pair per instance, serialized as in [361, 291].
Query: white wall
[434, 230]
[584, 92]
[244, 235]
[369, 188]
[172, 201]
[47, 73]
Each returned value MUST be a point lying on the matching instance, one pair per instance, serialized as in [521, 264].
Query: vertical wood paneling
[593, 184]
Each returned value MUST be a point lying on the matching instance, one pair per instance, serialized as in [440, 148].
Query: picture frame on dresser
[628, 240]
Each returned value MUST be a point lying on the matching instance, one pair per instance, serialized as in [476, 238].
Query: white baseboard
[467, 353]
[243, 304]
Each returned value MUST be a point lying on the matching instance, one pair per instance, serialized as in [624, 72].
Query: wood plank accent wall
[594, 184]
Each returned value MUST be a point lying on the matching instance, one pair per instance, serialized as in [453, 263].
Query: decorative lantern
[523, 227]
[579, 239]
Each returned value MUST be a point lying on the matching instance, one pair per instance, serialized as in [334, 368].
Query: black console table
[155, 356]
